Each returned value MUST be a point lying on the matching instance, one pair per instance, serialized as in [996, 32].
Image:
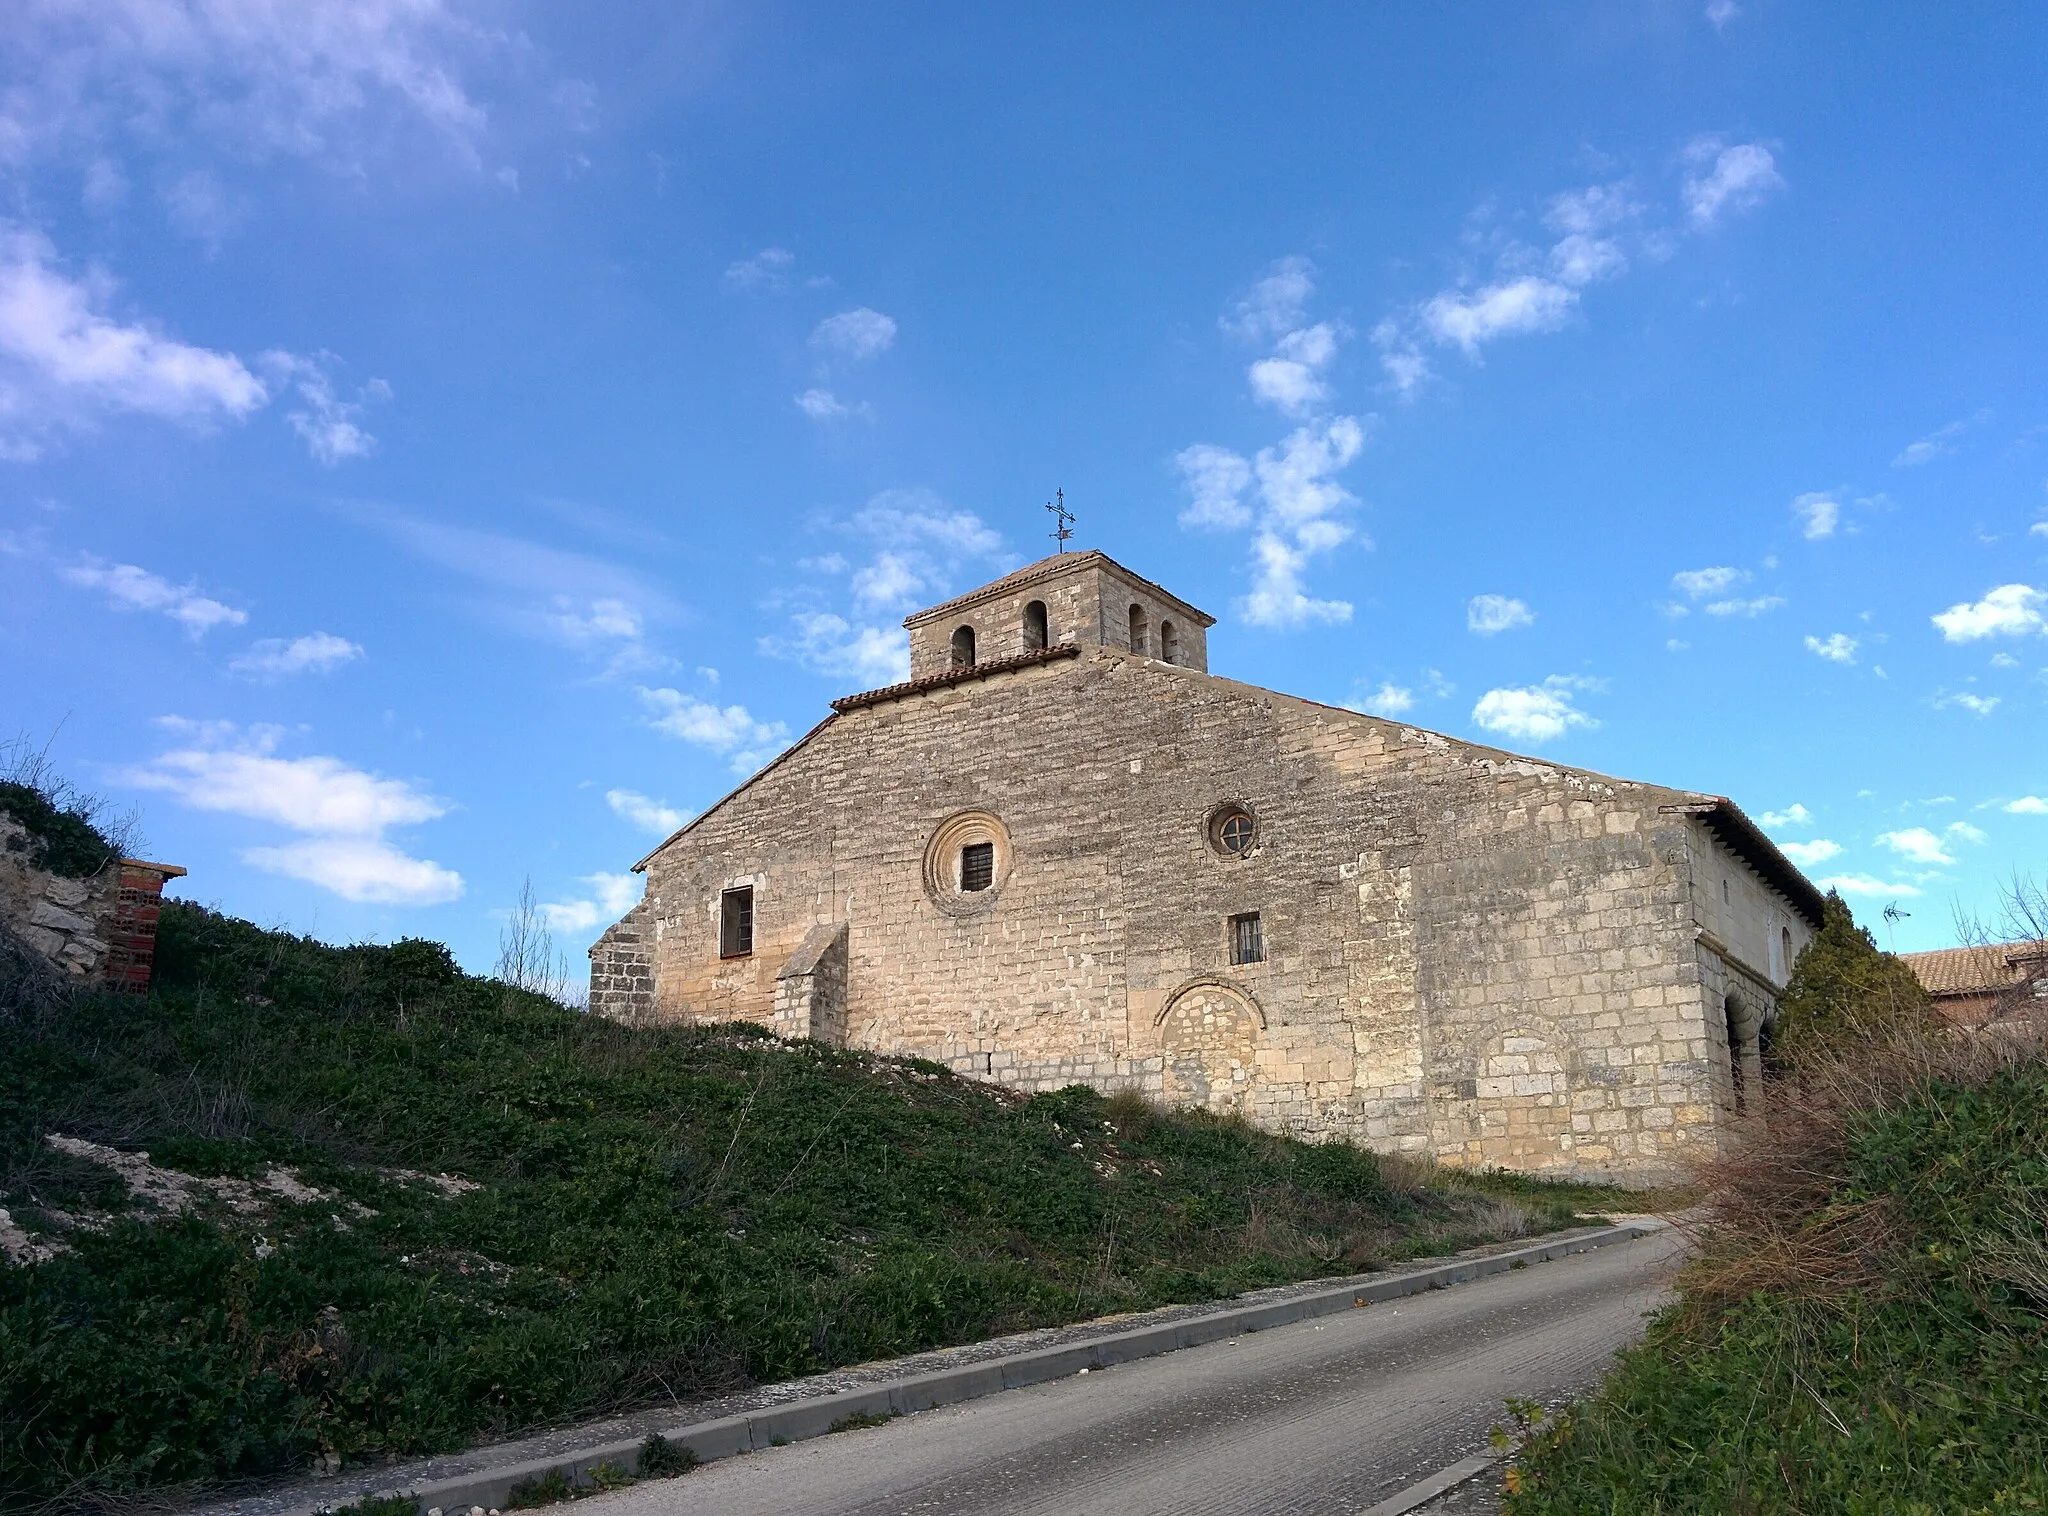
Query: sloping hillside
[389, 1207]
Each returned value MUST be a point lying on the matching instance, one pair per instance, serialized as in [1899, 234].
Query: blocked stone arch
[1209, 1031]
[1516, 1108]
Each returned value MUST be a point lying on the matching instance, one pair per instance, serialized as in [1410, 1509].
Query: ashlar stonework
[1055, 858]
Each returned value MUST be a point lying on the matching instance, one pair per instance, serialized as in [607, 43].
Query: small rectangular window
[1246, 943]
[736, 923]
[977, 866]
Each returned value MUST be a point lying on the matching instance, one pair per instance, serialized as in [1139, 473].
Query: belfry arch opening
[1139, 641]
[1037, 635]
[1169, 643]
[963, 647]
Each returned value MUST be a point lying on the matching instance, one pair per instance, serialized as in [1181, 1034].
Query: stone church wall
[1467, 953]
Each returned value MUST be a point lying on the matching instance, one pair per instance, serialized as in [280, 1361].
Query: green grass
[662, 1213]
[1898, 1362]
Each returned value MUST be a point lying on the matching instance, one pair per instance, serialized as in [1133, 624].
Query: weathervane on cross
[1063, 519]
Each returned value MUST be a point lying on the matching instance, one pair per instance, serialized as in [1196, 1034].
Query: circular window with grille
[1233, 831]
[967, 862]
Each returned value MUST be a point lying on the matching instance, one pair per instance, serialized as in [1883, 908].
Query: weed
[662, 1459]
[860, 1420]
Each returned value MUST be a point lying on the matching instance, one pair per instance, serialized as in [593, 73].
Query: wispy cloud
[1300, 503]
[1491, 614]
[821, 404]
[1938, 443]
[1744, 608]
[2011, 610]
[330, 426]
[767, 269]
[344, 810]
[1725, 179]
[136, 589]
[610, 897]
[1809, 854]
[1818, 514]
[1390, 699]
[657, 817]
[726, 730]
[1697, 584]
[1864, 885]
[1918, 844]
[1535, 713]
[856, 335]
[1836, 647]
[65, 360]
[314, 653]
[1976, 705]
[829, 644]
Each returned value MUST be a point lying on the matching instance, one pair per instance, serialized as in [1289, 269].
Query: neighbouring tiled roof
[964, 675]
[1976, 970]
[1046, 568]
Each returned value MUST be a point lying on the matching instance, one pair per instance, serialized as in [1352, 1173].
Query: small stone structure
[1064, 852]
[100, 931]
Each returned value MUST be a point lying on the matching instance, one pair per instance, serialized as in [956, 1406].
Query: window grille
[977, 866]
[736, 923]
[1247, 945]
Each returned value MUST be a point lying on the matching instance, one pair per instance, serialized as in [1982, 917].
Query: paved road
[1322, 1416]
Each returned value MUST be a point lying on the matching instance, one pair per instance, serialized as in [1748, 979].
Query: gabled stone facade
[1337, 925]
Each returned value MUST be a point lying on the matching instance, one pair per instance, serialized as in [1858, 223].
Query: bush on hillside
[652, 1214]
[1845, 988]
[69, 832]
[1863, 1327]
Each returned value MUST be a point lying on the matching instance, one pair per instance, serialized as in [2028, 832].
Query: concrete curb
[801, 1419]
[1422, 1493]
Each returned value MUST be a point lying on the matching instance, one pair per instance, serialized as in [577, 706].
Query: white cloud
[767, 269]
[1835, 647]
[1389, 699]
[1216, 481]
[1864, 884]
[1301, 498]
[822, 405]
[347, 810]
[728, 730]
[367, 870]
[1916, 844]
[1276, 304]
[330, 426]
[833, 646]
[1807, 854]
[612, 895]
[918, 516]
[1967, 833]
[1538, 713]
[1938, 443]
[2038, 529]
[1727, 180]
[2011, 610]
[314, 653]
[891, 580]
[655, 816]
[595, 621]
[1720, 12]
[1700, 583]
[133, 588]
[1578, 260]
[63, 357]
[2026, 805]
[855, 335]
[1291, 380]
[1976, 705]
[312, 79]
[1489, 614]
[1510, 308]
[1793, 815]
[2004, 661]
[1744, 608]
[1819, 513]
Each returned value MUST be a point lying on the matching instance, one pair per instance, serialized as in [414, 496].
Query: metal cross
[1063, 519]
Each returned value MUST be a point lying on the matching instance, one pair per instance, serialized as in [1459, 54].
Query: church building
[1065, 852]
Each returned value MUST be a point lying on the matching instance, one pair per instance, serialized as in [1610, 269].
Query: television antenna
[1063, 519]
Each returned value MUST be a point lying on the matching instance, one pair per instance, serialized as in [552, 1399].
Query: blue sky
[447, 443]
